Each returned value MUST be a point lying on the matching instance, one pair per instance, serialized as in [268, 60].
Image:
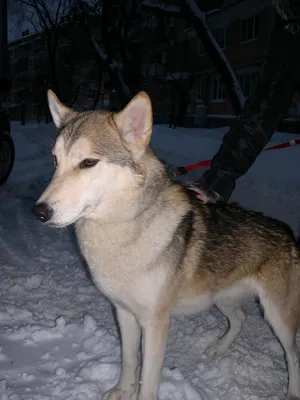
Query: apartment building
[171, 63]
[242, 30]
[79, 78]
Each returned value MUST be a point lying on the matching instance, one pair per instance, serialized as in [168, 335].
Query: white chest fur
[119, 263]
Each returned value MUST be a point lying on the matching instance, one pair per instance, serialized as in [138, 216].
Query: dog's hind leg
[284, 323]
[131, 335]
[236, 317]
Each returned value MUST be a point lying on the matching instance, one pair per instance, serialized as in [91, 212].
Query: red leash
[206, 163]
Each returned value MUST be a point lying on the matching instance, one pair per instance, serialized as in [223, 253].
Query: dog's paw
[117, 394]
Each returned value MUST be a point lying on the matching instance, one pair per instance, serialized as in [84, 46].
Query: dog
[156, 251]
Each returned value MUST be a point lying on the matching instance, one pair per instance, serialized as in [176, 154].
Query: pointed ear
[60, 113]
[134, 123]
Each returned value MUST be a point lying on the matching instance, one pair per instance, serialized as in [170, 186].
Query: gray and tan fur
[154, 250]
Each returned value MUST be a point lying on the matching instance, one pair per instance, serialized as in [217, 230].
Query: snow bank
[58, 336]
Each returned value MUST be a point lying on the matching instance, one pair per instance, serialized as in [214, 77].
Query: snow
[58, 335]
[168, 8]
[114, 65]
[177, 76]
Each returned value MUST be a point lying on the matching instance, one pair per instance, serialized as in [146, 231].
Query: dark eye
[54, 160]
[88, 163]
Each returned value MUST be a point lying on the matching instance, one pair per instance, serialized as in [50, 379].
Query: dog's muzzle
[42, 211]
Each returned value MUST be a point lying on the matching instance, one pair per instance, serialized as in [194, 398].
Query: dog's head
[98, 158]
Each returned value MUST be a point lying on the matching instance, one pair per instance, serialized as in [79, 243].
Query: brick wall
[244, 57]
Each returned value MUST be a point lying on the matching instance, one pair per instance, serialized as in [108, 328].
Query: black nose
[42, 211]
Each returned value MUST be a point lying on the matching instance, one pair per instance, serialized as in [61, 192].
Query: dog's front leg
[155, 334]
[131, 336]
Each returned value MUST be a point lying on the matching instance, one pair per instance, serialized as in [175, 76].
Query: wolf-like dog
[154, 250]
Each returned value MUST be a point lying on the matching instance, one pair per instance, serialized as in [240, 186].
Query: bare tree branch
[101, 53]
[33, 4]
[76, 92]
[190, 11]
[170, 9]
[111, 65]
[41, 6]
[49, 16]
[197, 18]
[57, 11]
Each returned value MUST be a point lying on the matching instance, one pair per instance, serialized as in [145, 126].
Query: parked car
[7, 148]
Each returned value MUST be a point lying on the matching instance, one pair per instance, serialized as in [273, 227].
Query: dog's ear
[60, 113]
[134, 123]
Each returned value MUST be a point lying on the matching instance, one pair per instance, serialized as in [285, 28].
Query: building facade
[242, 29]
[168, 61]
[80, 80]
[191, 85]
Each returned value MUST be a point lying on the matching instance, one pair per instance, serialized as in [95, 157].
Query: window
[249, 29]
[152, 21]
[247, 83]
[25, 32]
[155, 70]
[218, 93]
[201, 89]
[158, 57]
[221, 37]
[136, 38]
[152, 70]
[200, 92]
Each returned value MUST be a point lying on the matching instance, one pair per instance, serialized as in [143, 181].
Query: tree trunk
[190, 11]
[4, 54]
[100, 80]
[52, 50]
[104, 58]
[116, 78]
[23, 113]
[197, 19]
[113, 72]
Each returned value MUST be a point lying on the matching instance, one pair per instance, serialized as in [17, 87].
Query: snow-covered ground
[58, 336]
